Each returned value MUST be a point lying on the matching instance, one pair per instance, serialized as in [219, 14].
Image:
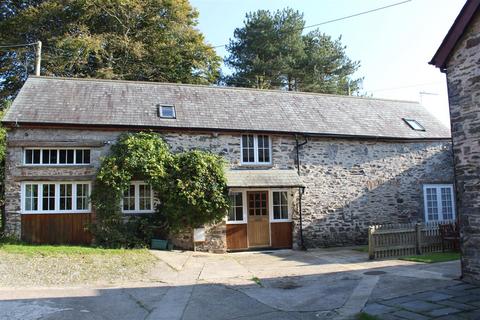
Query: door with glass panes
[258, 219]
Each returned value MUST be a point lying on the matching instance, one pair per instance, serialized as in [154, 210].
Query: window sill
[137, 213]
[256, 165]
[31, 166]
[236, 222]
[57, 212]
[280, 220]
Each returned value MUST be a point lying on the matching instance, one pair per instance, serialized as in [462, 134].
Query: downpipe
[301, 190]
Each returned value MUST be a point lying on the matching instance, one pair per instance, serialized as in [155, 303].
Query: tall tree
[148, 40]
[270, 52]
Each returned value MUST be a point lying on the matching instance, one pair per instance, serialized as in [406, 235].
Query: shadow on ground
[319, 284]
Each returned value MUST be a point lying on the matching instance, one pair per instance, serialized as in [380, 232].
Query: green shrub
[191, 187]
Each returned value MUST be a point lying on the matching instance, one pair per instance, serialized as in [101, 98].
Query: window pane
[432, 204]
[276, 212]
[82, 196]
[236, 207]
[79, 156]
[63, 156]
[280, 205]
[70, 156]
[36, 156]
[239, 213]
[263, 148]
[48, 197]
[145, 197]
[65, 197]
[53, 156]
[447, 204]
[129, 198]
[28, 156]
[46, 156]
[31, 197]
[86, 156]
[248, 148]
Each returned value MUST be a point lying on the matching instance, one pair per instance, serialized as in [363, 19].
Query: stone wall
[463, 77]
[350, 183]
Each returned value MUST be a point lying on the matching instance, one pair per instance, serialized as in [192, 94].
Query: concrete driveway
[317, 284]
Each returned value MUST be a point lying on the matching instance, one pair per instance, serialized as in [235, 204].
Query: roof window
[166, 111]
[414, 124]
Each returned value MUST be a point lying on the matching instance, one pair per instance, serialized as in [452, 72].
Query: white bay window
[55, 197]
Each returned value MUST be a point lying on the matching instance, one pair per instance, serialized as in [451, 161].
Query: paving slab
[376, 309]
[443, 312]
[432, 296]
[419, 306]
[458, 305]
[409, 315]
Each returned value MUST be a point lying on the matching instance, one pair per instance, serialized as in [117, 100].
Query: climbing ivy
[190, 186]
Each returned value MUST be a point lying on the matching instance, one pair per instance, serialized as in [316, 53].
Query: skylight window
[414, 124]
[167, 112]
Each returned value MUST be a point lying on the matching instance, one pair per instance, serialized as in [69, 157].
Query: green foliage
[365, 316]
[195, 192]
[270, 52]
[138, 156]
[148, 40]
[53, 250]
[433, 257]
[191, 187]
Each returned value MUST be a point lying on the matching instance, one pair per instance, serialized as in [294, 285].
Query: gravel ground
[39, 269]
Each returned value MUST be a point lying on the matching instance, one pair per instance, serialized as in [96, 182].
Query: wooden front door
[258, 221]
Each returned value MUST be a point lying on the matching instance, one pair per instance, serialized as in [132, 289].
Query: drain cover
[374, 273]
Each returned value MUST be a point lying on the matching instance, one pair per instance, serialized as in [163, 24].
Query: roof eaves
[456, 31]
[206, 129]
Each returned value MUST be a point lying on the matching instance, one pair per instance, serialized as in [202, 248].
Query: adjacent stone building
[459, 57]
[303, 169]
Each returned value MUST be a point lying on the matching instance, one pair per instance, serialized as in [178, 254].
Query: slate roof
[263, 178]
[92, 102]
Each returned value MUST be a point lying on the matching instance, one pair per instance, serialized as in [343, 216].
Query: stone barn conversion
[303, 169]
[459, 58]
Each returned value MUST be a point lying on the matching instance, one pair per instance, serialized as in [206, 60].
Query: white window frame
[438, 188]
[57, 197]
[289, 206]
[137, 199]
[270, 204]
[58, 156]
[244, 207]
[255, 150]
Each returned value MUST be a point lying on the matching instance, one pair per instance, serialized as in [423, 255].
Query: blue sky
[393, 45]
